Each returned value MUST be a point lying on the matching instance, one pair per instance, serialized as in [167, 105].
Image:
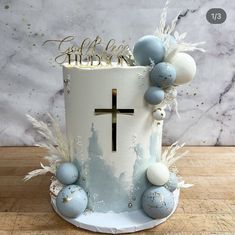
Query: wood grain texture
[207, 208]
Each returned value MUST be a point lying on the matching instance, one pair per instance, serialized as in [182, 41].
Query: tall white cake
[114, 134]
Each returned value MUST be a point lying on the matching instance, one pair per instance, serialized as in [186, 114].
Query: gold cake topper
[91, 51]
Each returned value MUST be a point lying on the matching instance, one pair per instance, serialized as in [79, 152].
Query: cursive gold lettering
[90, 51]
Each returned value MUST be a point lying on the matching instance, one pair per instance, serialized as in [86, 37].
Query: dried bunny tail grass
[55, 142]
[63, 147]
[182, 184]
[53, 160]
[183, 47]
[170, 29]
[51, 149]
[172, 105]
[42, 129]
[164, 31]
[186, 46]
[170, 155]
[175, 103]
[159, 32]
[174, 169]
[170, 100]
[179, 37]
[38, 172]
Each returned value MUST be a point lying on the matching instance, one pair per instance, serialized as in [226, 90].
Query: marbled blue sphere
[148, 48]
[158, 202]
[172, 183]
[71, 201]
[67, 173]
[154, 95]
[163, 75]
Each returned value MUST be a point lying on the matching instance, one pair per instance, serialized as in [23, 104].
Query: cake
[109, 171]
[118, 134]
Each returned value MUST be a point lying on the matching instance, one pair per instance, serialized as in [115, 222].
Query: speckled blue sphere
[148, 48]
[158, 202]
[67, 173]
[154, 95]
[163, 75]
[71, 201]
[172, 183]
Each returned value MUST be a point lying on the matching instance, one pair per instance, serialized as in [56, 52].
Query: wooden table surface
[207, 208]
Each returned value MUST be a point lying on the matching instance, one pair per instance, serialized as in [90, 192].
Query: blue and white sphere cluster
[158, 202]
[71, 201]
[147, 50]
[67, 173]
[179, 68]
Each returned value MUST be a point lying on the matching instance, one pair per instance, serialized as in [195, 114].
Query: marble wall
[31, 82]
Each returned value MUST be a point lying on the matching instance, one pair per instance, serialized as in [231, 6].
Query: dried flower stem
[164, 32]
[54, 141]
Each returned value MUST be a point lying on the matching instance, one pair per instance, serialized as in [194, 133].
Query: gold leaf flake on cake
[66, 199]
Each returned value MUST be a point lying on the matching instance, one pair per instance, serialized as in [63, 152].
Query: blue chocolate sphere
[172, 183]
[71, 201]
[154, 95]
[148, 48]
[158, 202]
[67, 173]
[163, 75]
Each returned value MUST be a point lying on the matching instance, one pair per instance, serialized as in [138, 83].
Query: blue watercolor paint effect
[139, 151]
[153, 147]
[142, 162]
[106, 192]
[82, 180]
[140, 181]
[94, 148]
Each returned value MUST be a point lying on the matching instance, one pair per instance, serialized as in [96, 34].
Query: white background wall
[30, 81]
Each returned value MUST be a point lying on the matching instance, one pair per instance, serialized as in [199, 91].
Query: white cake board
[114, 223]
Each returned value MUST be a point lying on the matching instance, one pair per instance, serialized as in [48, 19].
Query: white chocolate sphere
[185, 67]
[159, 114]
[158, 174]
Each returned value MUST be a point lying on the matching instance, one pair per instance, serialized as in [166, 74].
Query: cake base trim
[116, 223]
